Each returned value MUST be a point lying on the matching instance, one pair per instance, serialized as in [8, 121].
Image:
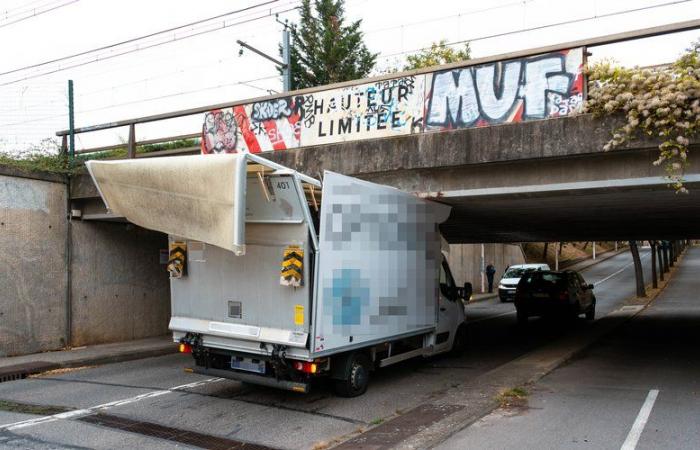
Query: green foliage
[661, 103]
[46, 157]
[438, 53]
[324, 50]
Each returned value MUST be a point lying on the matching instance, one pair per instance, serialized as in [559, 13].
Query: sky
[200, 65]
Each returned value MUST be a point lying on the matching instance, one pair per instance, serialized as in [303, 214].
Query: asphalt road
[157, 391]
[637, 388]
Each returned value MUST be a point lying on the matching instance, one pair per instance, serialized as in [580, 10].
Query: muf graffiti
[543, 86]
[537, 87]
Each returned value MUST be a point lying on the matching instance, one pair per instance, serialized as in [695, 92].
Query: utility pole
[71, 123]
[285, 64]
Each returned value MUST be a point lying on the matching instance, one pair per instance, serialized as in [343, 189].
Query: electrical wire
[140, 38]
[541, 27]
[140, 48]
[35, 13]
[160, 97]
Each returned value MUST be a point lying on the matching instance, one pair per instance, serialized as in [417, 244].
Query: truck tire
[357, 379]
[522, 317]
[459, 344]
[590, 313]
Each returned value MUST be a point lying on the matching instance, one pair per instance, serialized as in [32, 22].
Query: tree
[324, 49]
[639, 274]
[438, 53]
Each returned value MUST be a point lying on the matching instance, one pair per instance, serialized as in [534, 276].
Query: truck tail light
[185, 348]
[306, 367]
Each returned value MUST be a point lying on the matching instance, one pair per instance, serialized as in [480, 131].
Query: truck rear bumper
[252, 379]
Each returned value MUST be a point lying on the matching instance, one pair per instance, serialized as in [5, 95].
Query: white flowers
[663, 103]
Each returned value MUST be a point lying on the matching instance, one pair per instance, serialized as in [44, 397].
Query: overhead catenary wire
[541, 27]
[159, 97]
[136, 39]
[141, 48]
[36, 13]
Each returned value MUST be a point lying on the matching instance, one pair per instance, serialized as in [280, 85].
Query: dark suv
[547, 292]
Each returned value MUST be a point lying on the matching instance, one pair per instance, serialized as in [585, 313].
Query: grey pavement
[97, 354]
[157, 390]
[596, 400]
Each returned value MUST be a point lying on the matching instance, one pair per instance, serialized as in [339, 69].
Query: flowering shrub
[661, 102]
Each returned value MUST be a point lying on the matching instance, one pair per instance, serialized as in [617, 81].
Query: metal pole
[131, 146]
[483, 269]
[556, 258]
[71, 123]
[615, 245]
[593, 250]
[286, 68]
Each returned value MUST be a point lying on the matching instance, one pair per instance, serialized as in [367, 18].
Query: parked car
[542, 293]
[510, 279]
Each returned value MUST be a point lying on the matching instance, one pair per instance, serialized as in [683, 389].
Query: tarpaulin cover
[197, 197]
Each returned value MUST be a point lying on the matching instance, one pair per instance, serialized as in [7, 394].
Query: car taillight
[185, 348]
[306, 367]
[564, 295]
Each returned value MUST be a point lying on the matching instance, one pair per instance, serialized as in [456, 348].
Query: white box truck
[277, 278]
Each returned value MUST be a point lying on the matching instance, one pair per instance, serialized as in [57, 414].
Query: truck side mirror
[467, 291]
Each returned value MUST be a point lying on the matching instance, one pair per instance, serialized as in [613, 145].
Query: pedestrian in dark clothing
[490, 272]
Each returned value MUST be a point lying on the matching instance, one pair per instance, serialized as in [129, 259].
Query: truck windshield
[544, 279]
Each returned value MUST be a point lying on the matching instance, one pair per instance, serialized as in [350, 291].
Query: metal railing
[133, 142]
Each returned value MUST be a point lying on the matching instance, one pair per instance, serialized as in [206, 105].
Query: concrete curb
[475, 399]
[24, 369]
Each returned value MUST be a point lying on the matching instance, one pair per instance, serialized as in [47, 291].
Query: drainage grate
[392, 432]
[21, 371]
[170, 434]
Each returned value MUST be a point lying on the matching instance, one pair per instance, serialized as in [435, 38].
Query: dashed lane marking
[641, 421]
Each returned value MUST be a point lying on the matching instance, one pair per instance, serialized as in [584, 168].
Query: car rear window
[544, 279]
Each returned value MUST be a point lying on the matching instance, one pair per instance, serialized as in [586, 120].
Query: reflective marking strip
[91, 410]
[638, 426]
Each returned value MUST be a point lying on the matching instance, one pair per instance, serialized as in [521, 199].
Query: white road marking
[490, 317]
[87, 411]
[641, 421]
[619, 271]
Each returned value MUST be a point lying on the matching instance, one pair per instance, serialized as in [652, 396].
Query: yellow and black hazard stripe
[292, 266]
[177, 259]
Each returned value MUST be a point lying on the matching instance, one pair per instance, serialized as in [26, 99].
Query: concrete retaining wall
[465, 261]
[32, 265]
[119, 291]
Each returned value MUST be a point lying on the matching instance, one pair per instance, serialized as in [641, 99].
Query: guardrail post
[131, 149]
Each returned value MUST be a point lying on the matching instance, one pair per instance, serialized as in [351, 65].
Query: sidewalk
[15, 367]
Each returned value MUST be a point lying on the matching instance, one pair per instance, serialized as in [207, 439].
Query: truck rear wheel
[357, 379]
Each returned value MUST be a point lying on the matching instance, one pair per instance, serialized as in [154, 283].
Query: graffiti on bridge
[537, 87]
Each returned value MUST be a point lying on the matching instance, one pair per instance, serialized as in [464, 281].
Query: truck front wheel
[357, 379]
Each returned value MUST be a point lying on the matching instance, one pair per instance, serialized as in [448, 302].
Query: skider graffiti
[535, 87]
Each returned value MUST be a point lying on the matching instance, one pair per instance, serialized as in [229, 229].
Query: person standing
[490, 272]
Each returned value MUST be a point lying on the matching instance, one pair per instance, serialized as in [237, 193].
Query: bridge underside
[648, 210]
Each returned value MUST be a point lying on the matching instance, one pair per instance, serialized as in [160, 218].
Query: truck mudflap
[295, 386]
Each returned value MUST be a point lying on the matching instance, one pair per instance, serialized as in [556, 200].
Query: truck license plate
[248, 364]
